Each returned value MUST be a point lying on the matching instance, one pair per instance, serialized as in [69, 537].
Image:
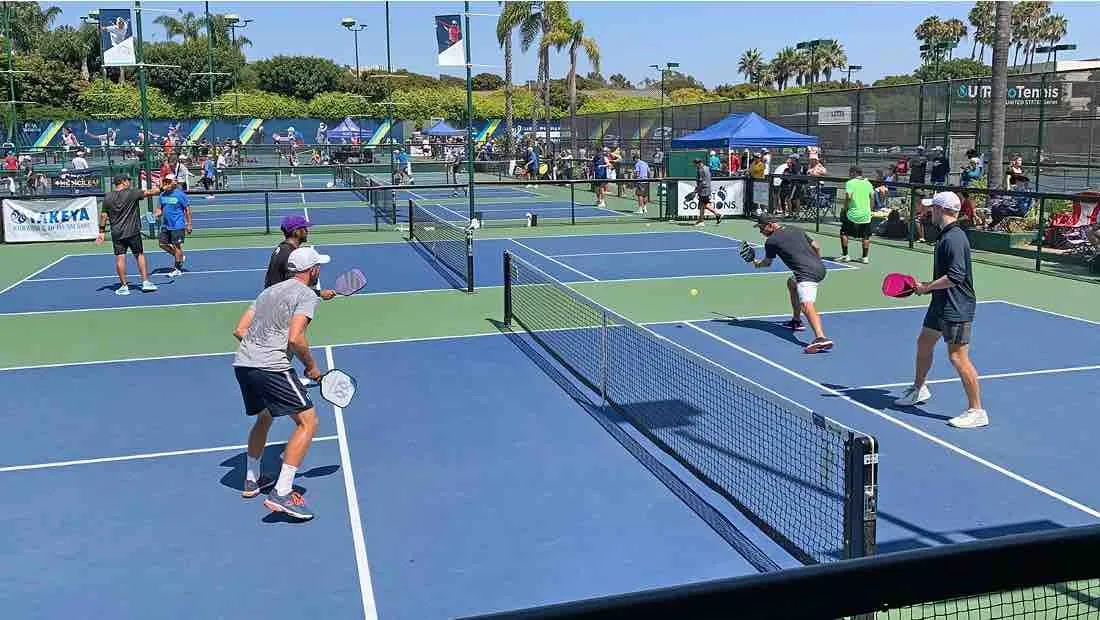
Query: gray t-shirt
[265, 343]
[123, 212]
[702, 181]
[795, 248]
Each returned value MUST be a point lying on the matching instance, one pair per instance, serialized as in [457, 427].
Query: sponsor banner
[839, 115]
[50, 220]
[448, 36]
[78, 181]
[1032, 94]
[726, 196]
[116, 37]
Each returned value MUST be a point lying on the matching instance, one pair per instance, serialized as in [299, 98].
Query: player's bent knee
[306, 419]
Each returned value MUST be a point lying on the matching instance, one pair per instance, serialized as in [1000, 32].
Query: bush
[47, 82]
[258, 104]
[191, 57]
[337, 105]
[301, 77]
[123, 100]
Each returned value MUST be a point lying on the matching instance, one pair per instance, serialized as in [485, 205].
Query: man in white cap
[950, 313]
[272, 328]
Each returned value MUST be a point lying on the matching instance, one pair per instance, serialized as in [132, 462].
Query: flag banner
[448, 35]
[116, 37]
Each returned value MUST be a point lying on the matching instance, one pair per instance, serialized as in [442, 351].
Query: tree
[832, 56]
[303, 77]
[594, 77]
[29, 24]
[675, 80]
[73, 46]
[896, 80]
[1026, 17]
[956, 69]
[999, 92]
[504, 37]
[784, 66]
[1052, 30]
[191, 57]
[749, 64]
[223, 34]
[535, 20]
[981, 19]
[954, 31]
[46, 81]
[743, 91]
[186, 25]
[618, 80]
[569, 34]
[487, 81]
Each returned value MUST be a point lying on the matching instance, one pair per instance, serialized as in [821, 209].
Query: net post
[861, 492]
[267, 213]
[469, 260]
[1041, 231]
[913, 201]
[507, 289]
[603, 358]
[411, 235]
[572, 203]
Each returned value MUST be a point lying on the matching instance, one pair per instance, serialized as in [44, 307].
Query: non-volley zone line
[1000, 375]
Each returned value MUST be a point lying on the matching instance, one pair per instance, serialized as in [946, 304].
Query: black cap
[764, 220]
[121, 178]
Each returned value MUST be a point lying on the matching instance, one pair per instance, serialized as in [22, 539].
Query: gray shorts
[953, 332]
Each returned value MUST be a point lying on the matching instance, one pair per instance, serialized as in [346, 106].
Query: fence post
[572, 203]
[1042, 121]
[947, 119]
[267, 213]
[920, 114]
[1042, 232]
[912, 216]
[859, 120]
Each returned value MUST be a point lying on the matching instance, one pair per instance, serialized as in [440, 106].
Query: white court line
[930, 437]
[725, 249]
[138, 457]
[1050, 312]
[1000, 375]
[554, 260]
[34, 273]
[151, 274]
[366, 589]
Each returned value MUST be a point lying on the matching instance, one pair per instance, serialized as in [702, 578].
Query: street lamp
[852, 68]
[235, 23]
[812, 46]
[351, 24]
[1047, 49]
[669, 66]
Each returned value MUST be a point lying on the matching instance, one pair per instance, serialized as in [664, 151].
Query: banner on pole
[448, 36]
[50, 220]
[727, 197]
[116, 37]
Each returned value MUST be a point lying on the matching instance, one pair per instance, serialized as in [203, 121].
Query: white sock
[286, 479]
[253, 471]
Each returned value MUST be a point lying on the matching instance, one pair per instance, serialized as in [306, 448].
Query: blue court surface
[467, 478]
[87, 281]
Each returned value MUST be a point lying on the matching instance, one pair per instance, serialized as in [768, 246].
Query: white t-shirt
[118, 33]
[780, 169]
[79, 163]
[768, 163]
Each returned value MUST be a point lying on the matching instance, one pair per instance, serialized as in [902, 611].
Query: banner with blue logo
[448, 37]
[57, 219]
[116, 37]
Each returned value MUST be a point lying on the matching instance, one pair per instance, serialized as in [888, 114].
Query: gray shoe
[252, 488]
[292, 504]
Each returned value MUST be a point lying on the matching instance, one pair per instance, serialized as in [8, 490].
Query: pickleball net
[805, 480]
[450, 244]
[366, 189]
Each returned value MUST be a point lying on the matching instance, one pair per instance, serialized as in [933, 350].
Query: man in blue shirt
[208, 173]
[599, 171]
[175, 209]
[641, 183]
[715, 163]
[532, 163]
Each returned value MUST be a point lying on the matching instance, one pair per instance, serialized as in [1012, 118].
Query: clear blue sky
[706, 38]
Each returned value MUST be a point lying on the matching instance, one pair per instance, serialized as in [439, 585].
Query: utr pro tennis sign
[50, 220]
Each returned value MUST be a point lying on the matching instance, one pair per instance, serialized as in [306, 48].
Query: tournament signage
[116, 37]
[78, 181]
[1017, 94]
[726, 196]
[448, 36]
[50, 220]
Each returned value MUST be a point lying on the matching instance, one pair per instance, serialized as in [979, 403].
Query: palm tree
[928, 32]
[29, 23]
[569, 33]
[535, 20]
[765, 77]
[802, 69]
[223, 34]
[831, 56]
[1053, 29]
[504, 38]
[981, 19]
[784, 66]
[73, 46]
[750, 64]
[187, 25]
[954, 31]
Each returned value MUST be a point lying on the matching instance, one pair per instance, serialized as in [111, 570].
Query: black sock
[866, 251]
[843, 249]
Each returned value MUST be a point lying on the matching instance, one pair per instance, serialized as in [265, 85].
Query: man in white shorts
[802, 255]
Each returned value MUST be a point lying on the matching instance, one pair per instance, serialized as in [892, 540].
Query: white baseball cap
[306, 258]
[948, 201]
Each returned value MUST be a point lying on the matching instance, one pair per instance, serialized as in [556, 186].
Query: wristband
[102, 229]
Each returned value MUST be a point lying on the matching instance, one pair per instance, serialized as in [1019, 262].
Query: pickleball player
[271, 330]
[121, 208]
[295, 234]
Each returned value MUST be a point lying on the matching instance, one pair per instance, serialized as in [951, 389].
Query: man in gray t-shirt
[122, 209]
[702, 192]
[270, 331]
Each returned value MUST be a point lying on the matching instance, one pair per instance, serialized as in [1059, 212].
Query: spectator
[735, 162]
[641, 184]
[918, 167]
[659, 162]
[815, 167]
[767, 157]
[79, 163]
[971, 172]
[11, 162]
[714, 163]
[967, 211]
[756, 168]
[781, 186]
[940, 166]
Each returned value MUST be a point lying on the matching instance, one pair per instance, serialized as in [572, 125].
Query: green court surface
[64, 337]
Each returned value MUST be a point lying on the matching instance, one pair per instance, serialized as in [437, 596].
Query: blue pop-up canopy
[743, 130]
[443, 129]
[348, 130]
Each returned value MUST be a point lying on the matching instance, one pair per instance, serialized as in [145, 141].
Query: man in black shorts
[950, 313]
[295, 234]
[270, 331]
[121, 208]
[802, 255]
[702, 192]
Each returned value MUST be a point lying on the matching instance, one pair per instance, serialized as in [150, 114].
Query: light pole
[235, 23]
[812, 46]
[355, 27]
[852, 68]
[389, 65]
[1047, 49]
[669, 66]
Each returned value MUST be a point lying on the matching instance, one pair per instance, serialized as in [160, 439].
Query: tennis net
[451, 245]
[364, 186]
[805, 480]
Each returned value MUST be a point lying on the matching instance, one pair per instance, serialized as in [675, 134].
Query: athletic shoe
[700, 223]
[913, 396]
[252, 488]
[601, 204]
[819, 345]
[794, 325]
[972, 418]
[175, 273]
[148, 287]
[717, 219]
[123, 290]
[843, 258]
[292, 504]
[865, 260]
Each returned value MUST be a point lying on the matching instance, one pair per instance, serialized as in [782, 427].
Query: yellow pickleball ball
[694, 292]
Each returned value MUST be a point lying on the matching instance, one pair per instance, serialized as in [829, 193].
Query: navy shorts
[172, 237]
[133, 244]
[280, 392]
[848, 228]
[953, 332]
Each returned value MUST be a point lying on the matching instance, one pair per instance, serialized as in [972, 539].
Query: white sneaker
[972, 418]
[700, 223]
[175, 273]
[914, 396]
[866, 260]
[843, 259]
[148, 287]
[123, 290]
[601, 204]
